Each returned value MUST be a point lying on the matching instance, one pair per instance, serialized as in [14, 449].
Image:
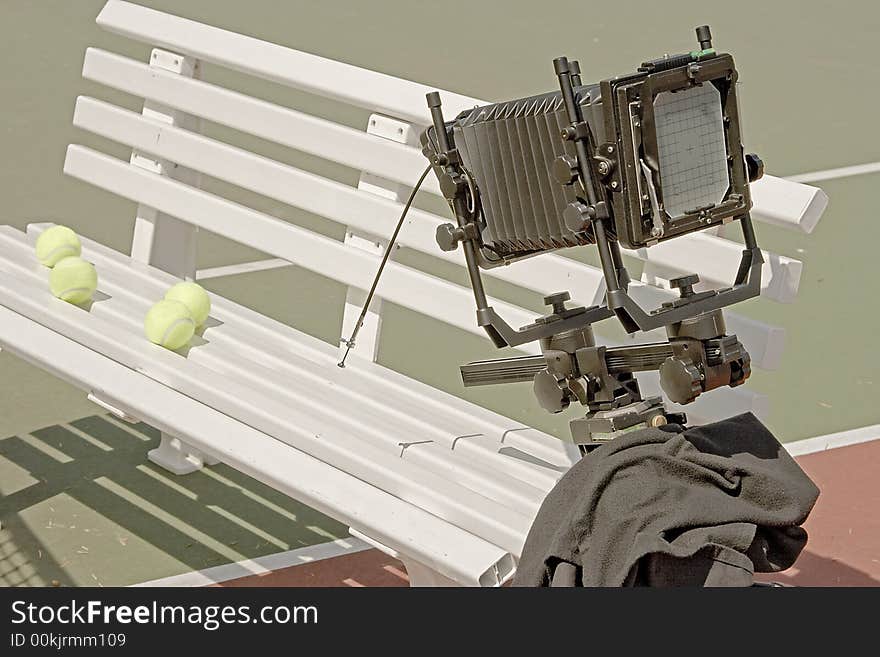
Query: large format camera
[634, 160]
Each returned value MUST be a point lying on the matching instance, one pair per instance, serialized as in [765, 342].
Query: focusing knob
[550, 396]
[447, 237]
[565, 169]
[680, 380]
[575, 216]
[557, 301]
[754, 167]
[685, 284]
[450, 185]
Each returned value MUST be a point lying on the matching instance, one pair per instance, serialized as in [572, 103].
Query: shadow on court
[81, 506]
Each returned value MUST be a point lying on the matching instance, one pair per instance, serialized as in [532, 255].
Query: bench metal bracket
[179, 457]
[368, 337]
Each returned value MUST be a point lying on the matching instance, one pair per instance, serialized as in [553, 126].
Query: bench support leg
[178, 457]
[418, 573]
[162, 241]
[421, 575]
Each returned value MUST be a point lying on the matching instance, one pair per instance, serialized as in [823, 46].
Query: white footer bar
[262, 565]
[832, 440]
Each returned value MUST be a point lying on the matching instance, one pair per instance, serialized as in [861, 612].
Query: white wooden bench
[447, 486]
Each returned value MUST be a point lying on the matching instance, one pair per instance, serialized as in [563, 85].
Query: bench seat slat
[317, 436]
[706, 408]
[394, 522]
[368, 212]
[380, 426]
[296, 347]
[444, 410]
[369, 412]
[310, 352]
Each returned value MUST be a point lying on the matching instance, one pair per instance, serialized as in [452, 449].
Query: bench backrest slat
[369, 217]
[404, 286]
[282, 125]
[338, 202]
[337, 81]
[777, 201]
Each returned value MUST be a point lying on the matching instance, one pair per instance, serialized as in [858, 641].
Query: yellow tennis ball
[169, 324]
[57, 243]
[73, 280]
[194, 297]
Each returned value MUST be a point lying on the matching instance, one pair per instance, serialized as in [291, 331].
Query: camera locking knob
[704, 37]
[447, 237]
[557, 301]
[754, 167]
[685, 284]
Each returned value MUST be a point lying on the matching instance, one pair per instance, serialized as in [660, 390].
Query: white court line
[832, 440]
[262, 565]
[831, 174]
[243, 268]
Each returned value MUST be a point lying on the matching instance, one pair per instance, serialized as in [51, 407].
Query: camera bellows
[508, 149]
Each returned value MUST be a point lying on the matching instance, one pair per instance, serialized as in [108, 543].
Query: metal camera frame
[602, 187]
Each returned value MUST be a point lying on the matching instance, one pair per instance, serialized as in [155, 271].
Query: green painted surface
[806, 74]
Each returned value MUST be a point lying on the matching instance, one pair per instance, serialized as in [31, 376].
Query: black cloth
[704, 506]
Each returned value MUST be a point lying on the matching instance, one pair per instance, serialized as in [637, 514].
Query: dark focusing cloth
[704, 506]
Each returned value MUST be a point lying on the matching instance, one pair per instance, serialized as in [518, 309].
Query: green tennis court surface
[76, 512]
[81, 506]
